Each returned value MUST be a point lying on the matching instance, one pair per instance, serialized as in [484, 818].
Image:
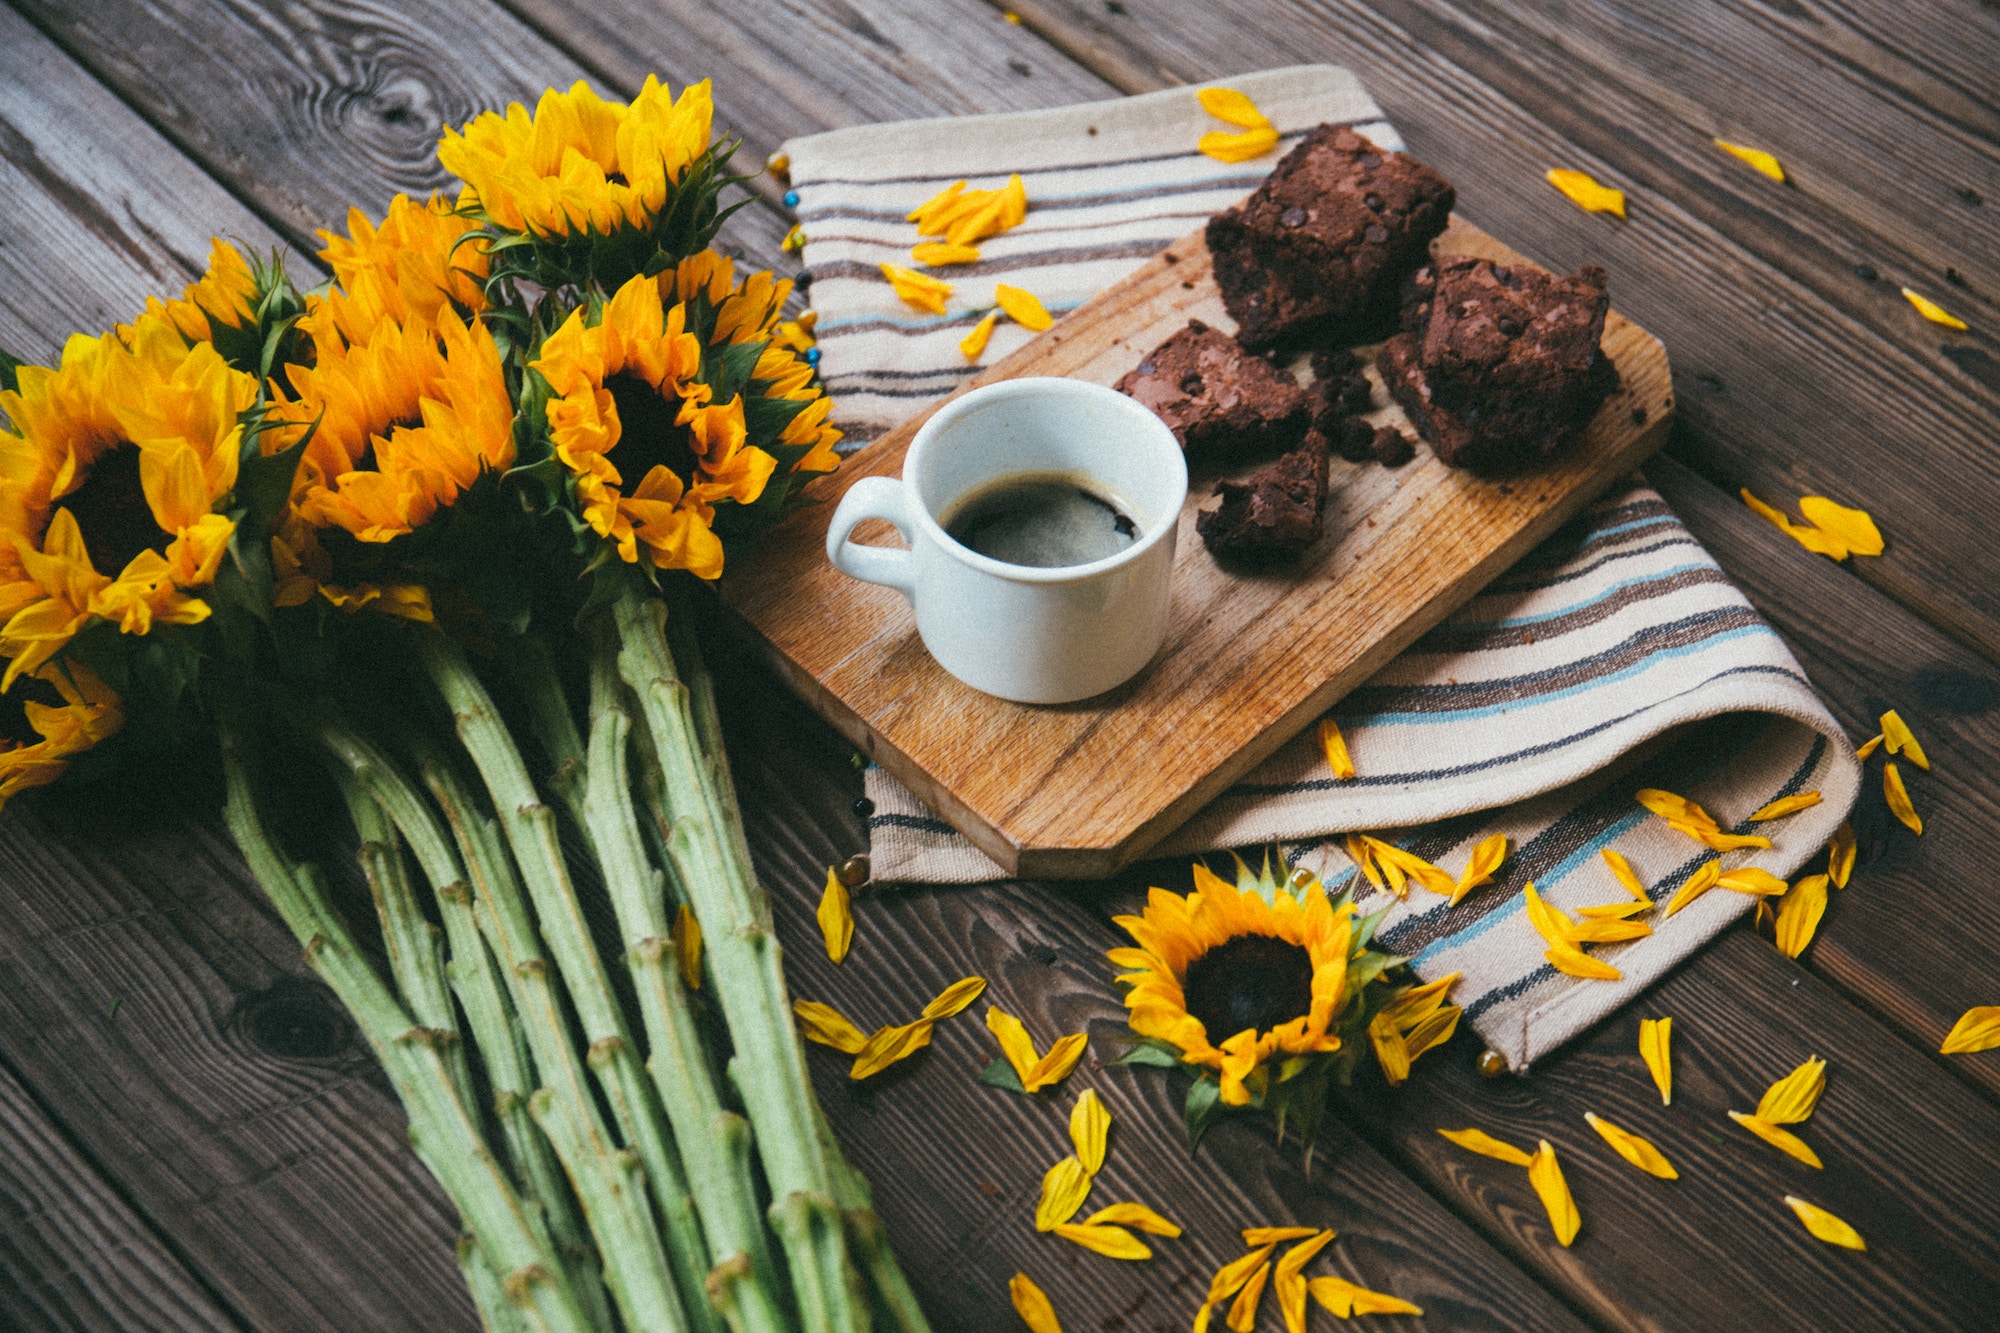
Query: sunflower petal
[1345, 1300]
[1243, 1310]
[1015, 1043]
[1238, 147]
[1434, 1030]
[1898, 797]
[1607, 929]
[1549, 921]
[1615, 911]
[1390, 1052]
[1793, 1097]
[1296, 1258]
[1852, 528]
[888, 1045]
[1232, 107]
[1292, 1291]
[1755, 157]
[1231, 1276]
[1111, 1242]
[974, 343]
[829, 1027]
[1639, 1152]
[954, 998]
[1622, 871]
[1032, 1304]
[1255, 1236]
[1022, 306]
[1786, 805]
[687, 946]
[940, 254]
[1977, 1029]
[1783, 1140]
[1670, 807]
[917, 289]
[1896, 737]
[1701, 881]
[1825, 1225]
[1135, 1215]
[1485, 862]
[1840, 855]
[1656, 1049]
[1750, 879]
[1868, 746]
[1932, 311]
[1586, 193]
[1055, 1066]
[1089, 1130]
[1064, 1188]
[1334, 746]
[1479, 1141]
[1363, 858]
[1799, 914]
[1546, 1176]
[836, 917]
[1569, 959]
[1430, 877]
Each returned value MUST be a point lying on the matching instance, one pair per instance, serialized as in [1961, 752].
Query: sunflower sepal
[10, 372]
[1001, 1074]
[1204, 1106]
[1150, 1054]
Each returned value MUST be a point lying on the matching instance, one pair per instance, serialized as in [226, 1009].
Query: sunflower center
[1252, 981]
[111, 511]
[615, 178]
[14, 714]
[647, 434]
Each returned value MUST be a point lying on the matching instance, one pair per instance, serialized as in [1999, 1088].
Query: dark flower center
[13, 711]
[647, 433]
[1252, 981]
[111, 511]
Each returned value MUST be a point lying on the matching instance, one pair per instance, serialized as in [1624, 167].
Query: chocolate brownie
[1499, 366]
[1339, 389]
[1273, 516]
[1320, 250]
[1217, 397]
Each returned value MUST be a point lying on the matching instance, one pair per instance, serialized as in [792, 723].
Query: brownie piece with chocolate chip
[1319, 251]
[1499, 366]
[1218, 398]
[1339, 389]
[1274, 515]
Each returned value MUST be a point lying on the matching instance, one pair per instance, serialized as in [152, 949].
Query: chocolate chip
[1377, 234]
[1503, 275]
[1371, 159]
[1510, 326]
[1191, 383]
[1372, 200]
[1147, 367]
[1293, 217]
[1866, 272]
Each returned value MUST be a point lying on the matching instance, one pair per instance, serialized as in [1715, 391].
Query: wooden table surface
[192, 1137]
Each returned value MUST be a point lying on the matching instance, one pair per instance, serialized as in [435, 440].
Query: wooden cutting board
[1078, 790]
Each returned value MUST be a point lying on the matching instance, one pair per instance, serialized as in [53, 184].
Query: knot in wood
[294, 1019]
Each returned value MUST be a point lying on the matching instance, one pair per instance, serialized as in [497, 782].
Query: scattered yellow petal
[1869, 746]
[1586, 193]
[1716, 839]
[1756, 157]
[1674, 809]
[974, 343]
[1569, 959]
[1763, 918]
[1232, 107]
[1479, 1141]
[1622, 871]
[1853, 528]
[954, 998]
[1390, 1052]
[1412, 866]
[1825, 1225]
[836, 917]
[1201, 1318]
[1111, 1242]
[1345, 1299]
[940, 254]
[929, 214]
[1898, 797]
[1064, 1188]
[1032, 1305]
[1296, 1258]
[1786, 805]
[917, 289]
[1010, 16]
[1054, 1067]
[1639, 1152]
[1774, 517]
[687, 946]
[1547, 1178]
[1022, 307]
[1255, 1236]
[1364, 859]
[1135, 1215]
[1549, 921]
[829, 1027]
[1243, 1311]
[1238, 148]
[1840, 855]
[1896, 736]
[1817, 540]
[1334, 746]
[1701, 881]
[1089, 1130]
[1292, 1290]
[1608, 930]
[1487, 858]
[1234, 1274]
[1015, 1043]
[1793, 1097]
[1783, 1140]
[1977, 1029]
[1656, 1037]
[1615, 911]
[1799, 914]
[888, 1045]
[1750, 879]
[1933, 312]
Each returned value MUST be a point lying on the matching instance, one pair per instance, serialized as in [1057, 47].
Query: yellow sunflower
[223, 297]
[1231, 979]
[650, 452]
[67, 709]
[408, 270]
[120, 457]
[407, 420]
[580, 163]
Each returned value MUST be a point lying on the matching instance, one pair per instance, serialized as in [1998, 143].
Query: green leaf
[1364, 929]
[10, 371]
[1000, 1074]
[263, 484]
[1204, 1108]
[1149, 1055]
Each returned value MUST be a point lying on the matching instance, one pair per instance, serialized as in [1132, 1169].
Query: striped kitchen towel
[1616, 656]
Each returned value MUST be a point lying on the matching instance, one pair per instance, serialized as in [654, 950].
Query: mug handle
[873, 497]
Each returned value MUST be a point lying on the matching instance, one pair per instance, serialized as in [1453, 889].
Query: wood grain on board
[1081, 789]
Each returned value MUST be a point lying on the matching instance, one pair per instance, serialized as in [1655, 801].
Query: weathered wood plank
[1911, 936]
[73, 1254]
[1797, 375]
[956, 1166]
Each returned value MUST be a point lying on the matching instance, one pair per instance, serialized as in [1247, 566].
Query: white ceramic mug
[1033, 634]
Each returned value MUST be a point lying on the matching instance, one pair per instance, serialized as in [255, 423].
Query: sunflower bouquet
[424, 546]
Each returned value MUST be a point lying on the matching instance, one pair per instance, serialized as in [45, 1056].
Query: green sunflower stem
[714, 1141]
[711, 861]
[489, 1298]
[865, 1230]
[442, 1129]
[530, 829]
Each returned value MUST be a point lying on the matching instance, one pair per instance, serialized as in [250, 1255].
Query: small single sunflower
[409, 270]
[108, 491]
[49, 718]
[223, 298]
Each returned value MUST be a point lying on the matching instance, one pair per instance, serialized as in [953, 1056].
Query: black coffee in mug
[1043, 519]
